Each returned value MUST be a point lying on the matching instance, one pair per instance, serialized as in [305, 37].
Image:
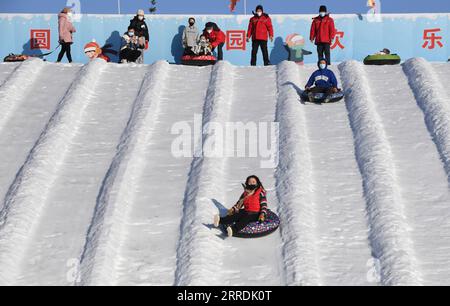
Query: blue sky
[221, 6]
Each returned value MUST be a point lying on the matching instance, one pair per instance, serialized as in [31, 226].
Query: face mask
[131, 34]
[191, 23]
[209, 31]
[323, 66]
[259, 14]
[322, 14]
[251, 187]
[141, 18]
[69, 14]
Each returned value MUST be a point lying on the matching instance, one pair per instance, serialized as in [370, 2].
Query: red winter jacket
[215, 38]
[260, 28]
[255, 203]
[322, 30]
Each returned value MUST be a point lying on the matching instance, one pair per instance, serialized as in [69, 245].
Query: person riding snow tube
[326, 86]
[384, 57]
[200, 54]
[249, 217]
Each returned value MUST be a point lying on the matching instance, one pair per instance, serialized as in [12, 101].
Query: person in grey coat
[190, 36]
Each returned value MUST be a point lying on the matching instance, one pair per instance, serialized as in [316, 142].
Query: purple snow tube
[259, 229]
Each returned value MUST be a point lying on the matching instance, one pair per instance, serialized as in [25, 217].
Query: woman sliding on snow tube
[251, 207]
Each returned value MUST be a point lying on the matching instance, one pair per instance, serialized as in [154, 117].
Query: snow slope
[92, 194]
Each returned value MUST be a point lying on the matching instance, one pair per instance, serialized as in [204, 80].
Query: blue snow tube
[320, 97]
[259, 229]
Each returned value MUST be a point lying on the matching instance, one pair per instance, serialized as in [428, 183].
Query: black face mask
[191, 23]
[251, 187]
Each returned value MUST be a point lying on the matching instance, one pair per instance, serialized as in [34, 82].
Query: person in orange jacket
[216, 37]
[260, 28]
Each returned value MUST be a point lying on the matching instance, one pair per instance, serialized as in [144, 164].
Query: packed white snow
[94, 191]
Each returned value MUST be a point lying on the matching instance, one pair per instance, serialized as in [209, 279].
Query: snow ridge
[107, 230]
[26, 198]
[434, 102]
[199, 255]
[295, 183]
[389, 231]
[17, 86]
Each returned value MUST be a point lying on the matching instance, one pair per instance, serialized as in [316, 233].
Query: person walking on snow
[260, 28]
[216, 37]
[251, 207]
[190, 36]
[322, 33]
[324, 80]
[65, 29]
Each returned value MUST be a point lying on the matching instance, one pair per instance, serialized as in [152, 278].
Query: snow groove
[295, 184]
[434, 102]
[17, 86]
[389, 231]
[106, 233]
[199, 258]
[26, 198]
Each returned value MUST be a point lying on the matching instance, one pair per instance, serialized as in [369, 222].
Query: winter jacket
[140, 27]
[323, 78]
[253, 203]
[132, 43]
[322, 30]
[65, 28]
[260, 28]
[216, 37]
[190, 36]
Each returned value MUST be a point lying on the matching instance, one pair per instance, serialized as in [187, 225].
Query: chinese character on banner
[337, 41]
[430, 38]
[40, 39]
[236, 40]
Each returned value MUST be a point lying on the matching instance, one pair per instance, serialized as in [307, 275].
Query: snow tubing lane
[257, 229]
[379, 60]
[320, 97]
[203, 60]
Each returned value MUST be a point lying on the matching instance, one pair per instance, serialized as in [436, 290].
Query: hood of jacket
[318, 63]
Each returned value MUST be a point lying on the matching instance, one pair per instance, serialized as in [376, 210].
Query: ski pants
[326, 90]
[130, 55]
[323, 51]
[255, 46]
[220, 52]
[65, 49]
[239, 220]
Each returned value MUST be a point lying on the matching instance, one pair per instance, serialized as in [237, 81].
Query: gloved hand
[262, 218]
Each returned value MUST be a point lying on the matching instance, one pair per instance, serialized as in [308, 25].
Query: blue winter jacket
[323, 78]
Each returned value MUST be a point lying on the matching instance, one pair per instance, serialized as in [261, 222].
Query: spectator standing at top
[190, 36]
[259, 30]
[322, 33]
[140, 26]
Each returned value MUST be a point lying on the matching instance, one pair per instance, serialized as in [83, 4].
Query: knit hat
[140, 12]
[322, 8]
[92, 46]
[259, 7]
